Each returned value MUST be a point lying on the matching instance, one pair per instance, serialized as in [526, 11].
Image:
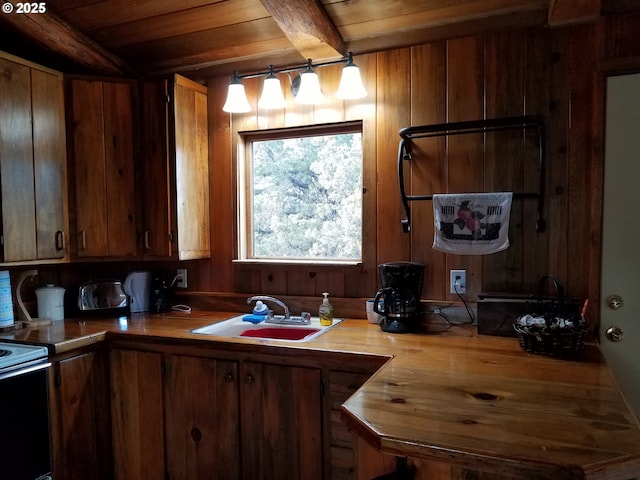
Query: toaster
[102, 295]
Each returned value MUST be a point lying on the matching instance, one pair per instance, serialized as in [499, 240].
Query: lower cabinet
[281, 422]
[342, 385]
[186, 417]
[80, 417]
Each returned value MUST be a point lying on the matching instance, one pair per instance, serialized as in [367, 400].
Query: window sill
[291, 262]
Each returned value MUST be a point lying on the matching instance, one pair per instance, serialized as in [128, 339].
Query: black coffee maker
[401, 290]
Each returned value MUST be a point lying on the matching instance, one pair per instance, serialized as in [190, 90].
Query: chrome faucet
[266, 298]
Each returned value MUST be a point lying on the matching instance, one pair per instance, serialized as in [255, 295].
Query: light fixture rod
[295, 68]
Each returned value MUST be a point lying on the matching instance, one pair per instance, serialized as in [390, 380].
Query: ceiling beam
[308, 27]
[55, 35]
[562, 12]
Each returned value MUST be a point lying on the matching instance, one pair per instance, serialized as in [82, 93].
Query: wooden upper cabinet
[101, 126]
[32, 162]
[174, 169]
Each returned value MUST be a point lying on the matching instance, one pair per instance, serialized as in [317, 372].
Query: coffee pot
[401, 290]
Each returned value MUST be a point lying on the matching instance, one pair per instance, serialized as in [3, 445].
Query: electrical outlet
[458, 281]
[181, 281]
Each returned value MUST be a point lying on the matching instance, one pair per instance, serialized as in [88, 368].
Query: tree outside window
[304, 194]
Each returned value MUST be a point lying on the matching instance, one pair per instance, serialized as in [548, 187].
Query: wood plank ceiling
[201, 38]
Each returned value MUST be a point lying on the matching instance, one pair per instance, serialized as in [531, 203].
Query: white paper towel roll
[6, 305]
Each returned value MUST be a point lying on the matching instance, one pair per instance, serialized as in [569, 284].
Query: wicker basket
[557, 342]
[552, 339]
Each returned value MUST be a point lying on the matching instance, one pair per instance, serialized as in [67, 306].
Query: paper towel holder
[28, 320]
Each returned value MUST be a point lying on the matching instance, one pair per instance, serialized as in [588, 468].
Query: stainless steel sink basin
[236, 327]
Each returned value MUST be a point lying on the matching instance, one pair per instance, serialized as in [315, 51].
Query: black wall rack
[533, 122]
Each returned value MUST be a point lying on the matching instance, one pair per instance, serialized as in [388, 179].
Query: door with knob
[620, 273]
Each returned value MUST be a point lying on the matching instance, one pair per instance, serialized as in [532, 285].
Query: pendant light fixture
[309, 92]
[272, 96]
[236, 97]
[306, 86]
[351, 86]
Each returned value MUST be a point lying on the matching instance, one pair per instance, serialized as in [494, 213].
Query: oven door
[25, 447]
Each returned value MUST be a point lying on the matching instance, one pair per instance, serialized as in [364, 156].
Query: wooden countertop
[475, 401]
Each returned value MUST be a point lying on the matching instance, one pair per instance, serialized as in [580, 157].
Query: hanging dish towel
[471, 223]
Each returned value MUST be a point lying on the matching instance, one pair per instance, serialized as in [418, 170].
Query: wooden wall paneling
[363, 282]
[583, 66]
[504, 154]
[242, 122]
[218, 273]
[558, 128]
[332, 109]
[597, 174]
[428, 166]
[248, 279]
[273, 280]
[300, 282]
[535, 248]
[465, 101]
[393, 113]
[337, 283]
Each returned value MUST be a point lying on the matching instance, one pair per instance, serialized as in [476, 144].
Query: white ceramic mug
[372, 316]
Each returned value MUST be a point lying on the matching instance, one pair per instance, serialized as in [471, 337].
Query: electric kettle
[137, 286]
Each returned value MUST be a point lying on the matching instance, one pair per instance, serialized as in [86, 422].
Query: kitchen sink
[236, 327]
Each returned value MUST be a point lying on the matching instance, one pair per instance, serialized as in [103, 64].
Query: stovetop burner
[4, 352]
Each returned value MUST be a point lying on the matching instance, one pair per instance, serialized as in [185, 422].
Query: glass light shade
[351, 86]
[309, 92]
[236, 99]
[272, 96]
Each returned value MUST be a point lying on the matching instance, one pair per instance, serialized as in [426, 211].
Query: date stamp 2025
[24, 7]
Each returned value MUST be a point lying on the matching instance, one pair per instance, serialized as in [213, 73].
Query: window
[301, 194]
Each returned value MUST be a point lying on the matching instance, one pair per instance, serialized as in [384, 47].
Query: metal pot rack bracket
[533, 122]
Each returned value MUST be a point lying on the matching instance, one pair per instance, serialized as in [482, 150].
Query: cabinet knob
[248, 378]
[228, 378]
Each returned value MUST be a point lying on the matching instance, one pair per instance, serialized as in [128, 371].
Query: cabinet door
[191, 169]
[87, 129]
[80, 418]
[158, 194]
[137, 415]
[32, 163]
[16, 166]
[102, 137]
[174, 169]
[343, 460]
[201, 419]
[281, 422]
[49, 163]
[120, 188]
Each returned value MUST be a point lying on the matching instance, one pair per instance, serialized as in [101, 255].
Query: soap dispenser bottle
[325, 312]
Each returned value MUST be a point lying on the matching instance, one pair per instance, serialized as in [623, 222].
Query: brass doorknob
[614, 334]
[615, 302]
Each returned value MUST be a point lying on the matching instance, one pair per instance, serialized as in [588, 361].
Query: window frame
[244, 222]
